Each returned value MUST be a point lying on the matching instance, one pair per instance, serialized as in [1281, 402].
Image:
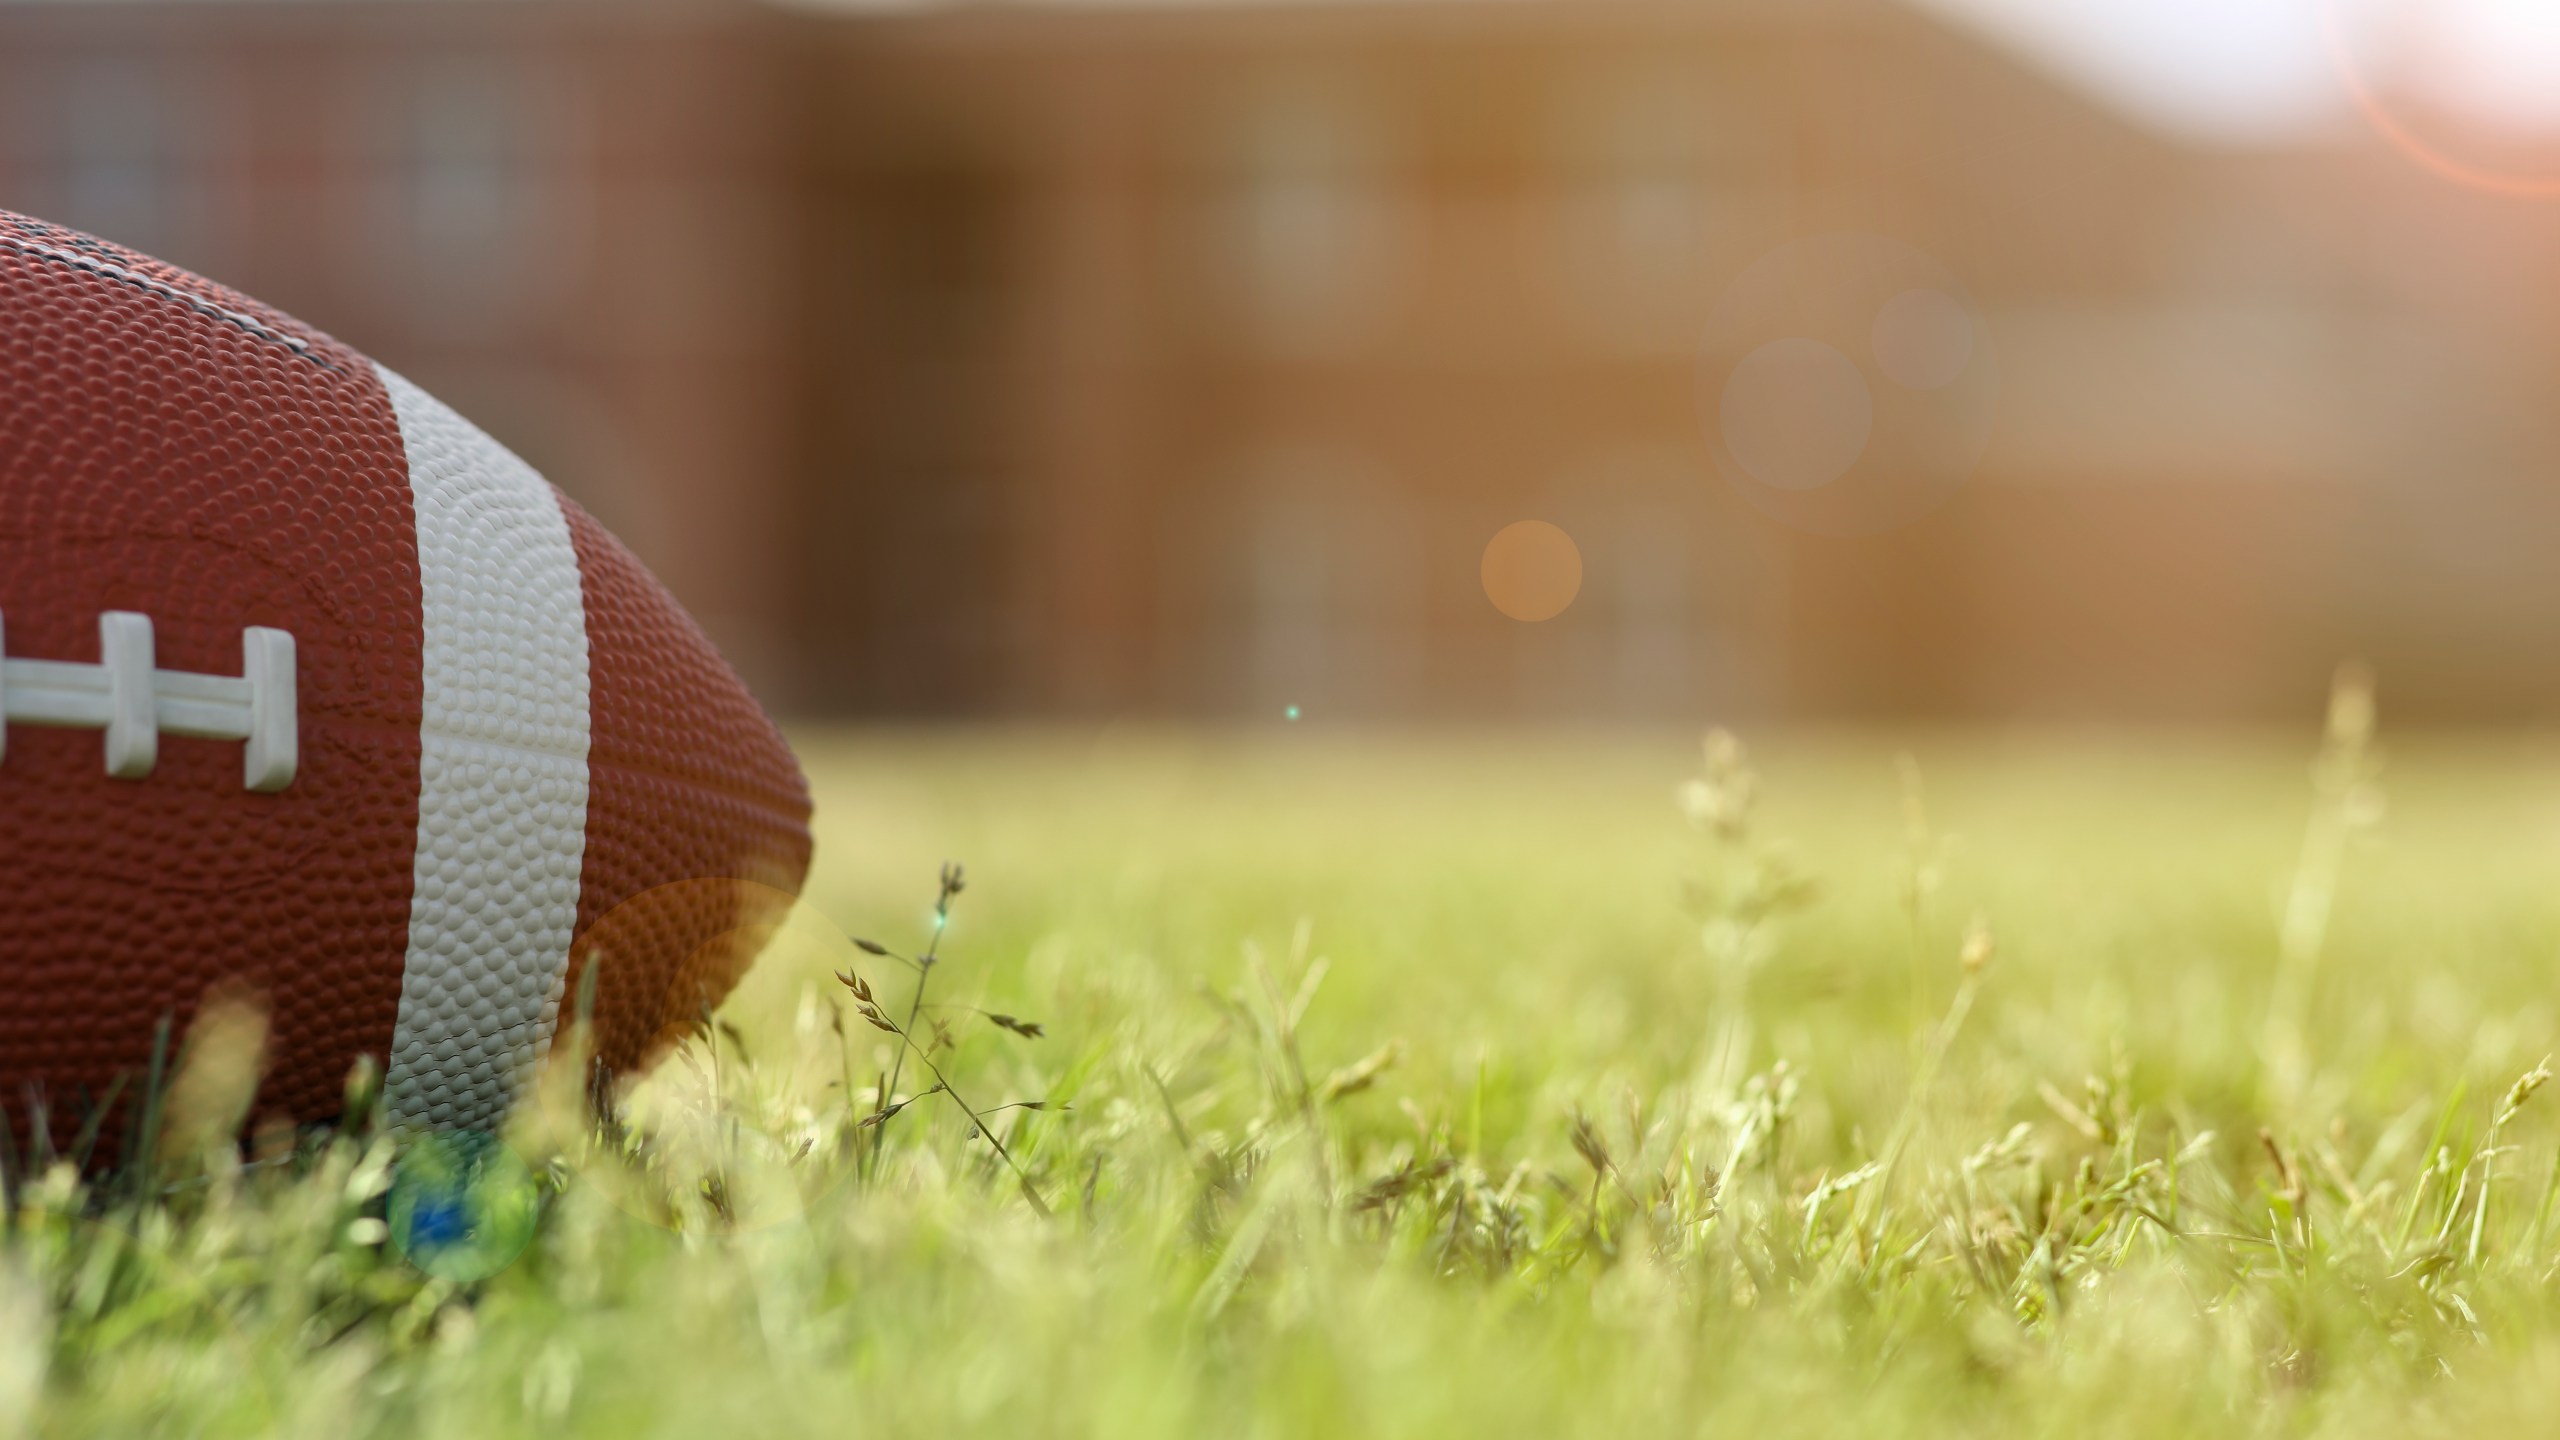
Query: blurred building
[1181, 359]
[572, 221]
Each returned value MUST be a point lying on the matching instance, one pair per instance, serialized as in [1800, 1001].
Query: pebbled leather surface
[158, 456]
[689, 788]
[170, 447]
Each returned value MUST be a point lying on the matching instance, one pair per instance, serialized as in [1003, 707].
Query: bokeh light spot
[1923, 339]
[1532, 570]
[1805, 384]
[1797, 414]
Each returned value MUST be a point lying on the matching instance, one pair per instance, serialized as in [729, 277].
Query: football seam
[105, 270]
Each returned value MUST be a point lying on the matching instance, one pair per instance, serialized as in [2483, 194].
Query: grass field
[1424, 1083]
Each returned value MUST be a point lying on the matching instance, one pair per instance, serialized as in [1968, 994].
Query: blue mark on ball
[463, 1205]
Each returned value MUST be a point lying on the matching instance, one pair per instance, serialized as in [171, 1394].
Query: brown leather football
[311, 687]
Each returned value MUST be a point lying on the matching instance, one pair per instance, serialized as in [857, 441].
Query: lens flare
[1923, 339]
[1846, 384]
[1797, 413]
[2402, 136]
[712, 1138]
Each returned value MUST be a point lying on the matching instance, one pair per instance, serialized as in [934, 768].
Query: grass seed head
[2522, 1091]
[1979, 947]
[1589, 1145]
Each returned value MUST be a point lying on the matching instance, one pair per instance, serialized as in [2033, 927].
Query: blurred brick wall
[1036, 360]
[570, 220]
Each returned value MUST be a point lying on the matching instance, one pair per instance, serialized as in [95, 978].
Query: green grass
[1459, 1084]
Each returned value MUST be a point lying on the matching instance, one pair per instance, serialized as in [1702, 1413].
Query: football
[312, 689]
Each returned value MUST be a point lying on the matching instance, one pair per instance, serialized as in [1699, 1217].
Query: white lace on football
[136, 704]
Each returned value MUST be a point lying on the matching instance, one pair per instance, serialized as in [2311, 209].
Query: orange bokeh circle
[1531, 570]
